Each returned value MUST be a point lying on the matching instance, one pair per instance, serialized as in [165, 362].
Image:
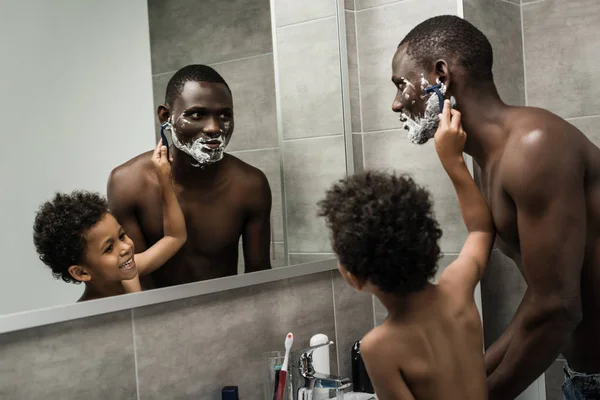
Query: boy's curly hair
[383, 229]
[60, 227]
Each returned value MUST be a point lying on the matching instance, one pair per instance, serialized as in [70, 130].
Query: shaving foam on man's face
[204, 149]
[421, 129]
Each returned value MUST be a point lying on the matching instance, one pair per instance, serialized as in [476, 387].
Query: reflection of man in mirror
[222, 197]
[541, 179]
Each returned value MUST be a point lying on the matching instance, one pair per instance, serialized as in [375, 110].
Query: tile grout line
[362, 150]
[524, 62]
[335, 327]
[314, 137]
[582, 117]
[360, 108]
[252, 150]
[306, 22]
[532, 2]
[511, 2]
[374, 311]
[218, 63]
[135, 362]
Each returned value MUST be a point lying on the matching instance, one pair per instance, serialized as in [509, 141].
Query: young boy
[386, 238]
[80, 240]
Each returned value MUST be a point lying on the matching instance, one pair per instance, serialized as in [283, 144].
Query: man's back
[436, 345]
[216, 211]
[537, 137]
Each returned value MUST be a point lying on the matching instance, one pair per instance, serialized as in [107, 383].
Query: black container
[230, 393]
[360, 379]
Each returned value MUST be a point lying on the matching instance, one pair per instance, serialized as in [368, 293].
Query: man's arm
[467, 270]
[383, 370]
[546, 184]
[256, 236]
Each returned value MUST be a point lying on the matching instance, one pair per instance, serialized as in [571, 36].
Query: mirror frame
[51, 315]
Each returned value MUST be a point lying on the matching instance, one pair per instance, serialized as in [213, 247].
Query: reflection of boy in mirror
[222, 197]
[81, 241]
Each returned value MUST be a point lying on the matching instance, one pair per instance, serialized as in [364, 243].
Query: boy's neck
[403, 305]
[99, 291]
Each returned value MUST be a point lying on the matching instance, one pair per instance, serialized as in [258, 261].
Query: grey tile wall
[357, 149]
[349, 4]
[502, 289]
[311, 166]
[179, 31]
[554, 379]
[186, 349]
[391, 150]
[500, 21]
[590, 126]
[302, 258]
[556, 34]
[288, 12]
[380, 30]
[362, 4]
[310, 79]
[90, 358]
[351, 44]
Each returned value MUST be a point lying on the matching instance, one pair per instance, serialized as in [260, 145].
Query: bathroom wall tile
[391, 150]
[561, 47]
[353, 318]
[357, 149]
[192, 348]
[205, 32]
[159, 87]
[500, 21]
[269, 162]
[381, 312]
[90, 358]
[288, 12]
[555, 377]
[349, 4]
[380, 30]
[590, 126]
[278, 256]
[353, 71]
[303, 258]
[362, 4]
[252, 83]
[311, 166]
[502, 289]
[310, 79]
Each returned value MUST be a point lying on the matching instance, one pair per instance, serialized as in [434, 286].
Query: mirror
[84, 100]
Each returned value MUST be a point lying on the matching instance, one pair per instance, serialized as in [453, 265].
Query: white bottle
[320, 363]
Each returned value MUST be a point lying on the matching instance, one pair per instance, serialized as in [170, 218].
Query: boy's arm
[468, 268]
[132, 285]
[383, 371]
[175, 234]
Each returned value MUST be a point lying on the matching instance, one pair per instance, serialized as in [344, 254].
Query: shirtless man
[541, 178]
[222, 197]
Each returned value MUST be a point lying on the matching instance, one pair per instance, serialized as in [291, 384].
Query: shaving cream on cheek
[201, 149]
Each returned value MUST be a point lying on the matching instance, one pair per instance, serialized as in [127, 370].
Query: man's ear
[80, 273]
[442, 73]
[163, 113]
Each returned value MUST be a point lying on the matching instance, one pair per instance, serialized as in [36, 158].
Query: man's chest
[212, 222]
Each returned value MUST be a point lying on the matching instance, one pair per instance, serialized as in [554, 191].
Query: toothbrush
[289, 340]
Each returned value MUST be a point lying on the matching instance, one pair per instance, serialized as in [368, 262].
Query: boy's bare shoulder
[385, 340]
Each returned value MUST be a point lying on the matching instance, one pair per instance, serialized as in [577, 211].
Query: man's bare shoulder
[251, 179]
[130, 177]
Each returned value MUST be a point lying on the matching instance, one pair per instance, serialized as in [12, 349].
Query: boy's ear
[351, 279]
[80, 273]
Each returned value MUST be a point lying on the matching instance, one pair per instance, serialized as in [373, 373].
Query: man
[541, 179]
[222, 197]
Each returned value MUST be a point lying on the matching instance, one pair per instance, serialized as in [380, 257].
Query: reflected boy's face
[108, 255]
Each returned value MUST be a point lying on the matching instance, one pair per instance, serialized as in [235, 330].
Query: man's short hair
[448, 36]
[193, 73]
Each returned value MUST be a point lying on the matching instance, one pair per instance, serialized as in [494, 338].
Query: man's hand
[450, 137]
[160, 161]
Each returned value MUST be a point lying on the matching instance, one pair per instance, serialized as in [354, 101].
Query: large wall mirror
[81, 88]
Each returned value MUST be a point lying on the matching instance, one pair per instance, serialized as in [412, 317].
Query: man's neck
[186, 174]
[483, 119]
